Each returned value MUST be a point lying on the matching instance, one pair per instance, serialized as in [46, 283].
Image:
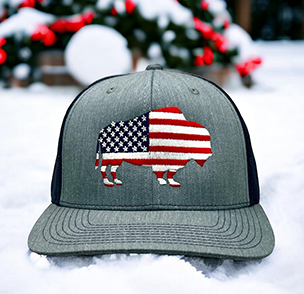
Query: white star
[130, 133]
[113, 123]
[134, 139]
[116, 139]
[116, 149]
[108, 149]
[104, 135]
[108, 139]
[130, 144]
[121, 133]
[112, 144]
[104, 144]
[117, 129]
[125, 149]
[125, 139]
[120, 144]
[136, 118]
[139, 134]
[139, 123]
[134, 128]
[144, 138]
[144, 148]
[101, 131]
[139, 144]
[144, 128]
[109, 129]
[100, 140]
[125, 128]
[121, 123]
[144, 118]
[134, 148]
[113, 134]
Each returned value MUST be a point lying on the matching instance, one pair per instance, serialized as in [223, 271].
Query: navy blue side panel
[253, 180]
[57, 174]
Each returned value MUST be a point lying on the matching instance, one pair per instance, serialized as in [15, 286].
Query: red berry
[199, 61]
[3, 56]
[130, 6]
[204, 5]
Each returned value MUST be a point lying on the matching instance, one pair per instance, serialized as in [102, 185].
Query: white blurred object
[217, 7]
[239, 39]
[21, 71]
[25, 21]
[169, 9]
[97, 51]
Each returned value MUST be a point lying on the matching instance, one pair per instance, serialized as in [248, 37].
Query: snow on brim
[169, 9]
[26, 21]
[239, 39]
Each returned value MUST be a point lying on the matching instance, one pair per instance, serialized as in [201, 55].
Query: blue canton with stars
[126, 136]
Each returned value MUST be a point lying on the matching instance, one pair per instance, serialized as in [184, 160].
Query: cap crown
[228, 179]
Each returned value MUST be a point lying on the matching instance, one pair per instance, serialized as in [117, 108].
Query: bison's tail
[97, 152]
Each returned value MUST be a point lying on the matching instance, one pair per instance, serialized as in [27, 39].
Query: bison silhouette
[161, 138]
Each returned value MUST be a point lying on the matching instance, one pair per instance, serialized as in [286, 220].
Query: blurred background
[75, 42]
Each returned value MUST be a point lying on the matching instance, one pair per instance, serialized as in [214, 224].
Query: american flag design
[161, 138]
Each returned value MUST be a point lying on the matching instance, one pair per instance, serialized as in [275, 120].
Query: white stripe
[166, 167]
[155, 155]
[177, 129]
[167, 115]
[181, 143]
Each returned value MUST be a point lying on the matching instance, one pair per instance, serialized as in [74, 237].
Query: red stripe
[168, 109]
[179, 149]
[155, 135]
[174, 122]
[145, 161]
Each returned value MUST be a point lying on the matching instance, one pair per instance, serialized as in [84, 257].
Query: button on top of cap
[154, 66]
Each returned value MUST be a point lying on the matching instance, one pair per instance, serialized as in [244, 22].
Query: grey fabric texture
[222, 183]
[238, 234]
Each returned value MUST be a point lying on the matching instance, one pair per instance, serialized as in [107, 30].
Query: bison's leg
[113, 173]
[172, 183]
[160, 175]
[104, 176]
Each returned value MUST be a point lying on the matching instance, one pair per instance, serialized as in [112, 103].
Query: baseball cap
[157, 161]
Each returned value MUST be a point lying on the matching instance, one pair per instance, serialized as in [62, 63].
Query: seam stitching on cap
[213, 243]
[141, 206]
[151, 105]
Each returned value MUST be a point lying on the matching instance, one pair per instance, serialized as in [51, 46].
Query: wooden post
[243, 14]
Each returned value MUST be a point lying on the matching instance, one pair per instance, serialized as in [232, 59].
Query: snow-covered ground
[30, 121]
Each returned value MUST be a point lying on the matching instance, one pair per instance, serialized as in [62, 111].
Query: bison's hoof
[173, 183]
[107, 183]
[118, 182]
[162, 181]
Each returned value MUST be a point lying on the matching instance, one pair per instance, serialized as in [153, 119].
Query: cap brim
[238, 234]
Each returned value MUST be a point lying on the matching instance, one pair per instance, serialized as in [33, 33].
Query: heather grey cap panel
[115, 99]
[223, 181]
[123, 98]
[238, 234]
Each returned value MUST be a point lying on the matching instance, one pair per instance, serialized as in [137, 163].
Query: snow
[273, 110]
[25, 21]
[21, 71]
[169, 9]
[239, 39]
[97, 51]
